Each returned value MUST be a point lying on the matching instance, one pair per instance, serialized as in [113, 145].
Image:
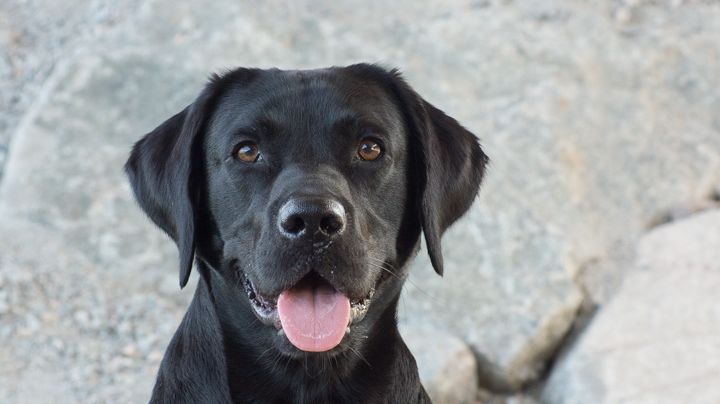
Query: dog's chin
[265, 308]
[283, 345]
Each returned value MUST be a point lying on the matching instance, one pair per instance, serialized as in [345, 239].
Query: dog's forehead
[309, 97]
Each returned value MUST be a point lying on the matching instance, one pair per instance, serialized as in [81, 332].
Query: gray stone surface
[34, 35]
[658, 340]
[593, 126]
[597, 116]
[73, 330]
[447, 365]
[116, 300]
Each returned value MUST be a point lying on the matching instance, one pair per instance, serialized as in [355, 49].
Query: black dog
[301, 196]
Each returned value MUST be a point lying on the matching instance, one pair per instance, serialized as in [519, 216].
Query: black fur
[222, 213]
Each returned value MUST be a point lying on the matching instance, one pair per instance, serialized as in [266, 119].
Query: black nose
[312, 217]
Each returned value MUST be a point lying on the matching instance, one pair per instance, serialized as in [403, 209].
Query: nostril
[331, 224]
[293, 224]
[311, 217]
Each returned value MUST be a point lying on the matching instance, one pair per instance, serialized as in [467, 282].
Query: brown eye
[248, 152]
[369, 150]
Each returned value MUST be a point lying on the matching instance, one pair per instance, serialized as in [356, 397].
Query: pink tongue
[314, 317]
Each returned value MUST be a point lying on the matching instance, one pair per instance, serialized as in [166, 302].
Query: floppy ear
[160, 169]
[450, 164]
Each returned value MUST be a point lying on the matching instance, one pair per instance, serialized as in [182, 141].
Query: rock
[657, 340]
[486, 397]
[99, 259]
[39, 384]
[447, 365]
[76, 246]
[586, 145]
[685, 210]
[34, 35]
[522, 399]
[514, 320]
[591, 132]
[33, 343]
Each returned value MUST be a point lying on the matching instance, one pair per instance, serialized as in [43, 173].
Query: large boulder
[594, 128]
[658, 340]
[448, 369]
[88, 295]
[72, 330]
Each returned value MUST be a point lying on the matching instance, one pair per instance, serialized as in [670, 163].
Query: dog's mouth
[312, 314]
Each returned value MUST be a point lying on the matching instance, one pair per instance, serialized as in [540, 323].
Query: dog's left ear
[449, 162]
[161, 168]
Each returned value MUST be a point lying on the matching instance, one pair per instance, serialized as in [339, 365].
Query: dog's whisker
[359, 355]
[287, 362]
[385, 269]
[388, 270]
[263, 354]
[383, 263]
[273, 361]
[388, 267]
[378, 259]
[278, 362]
[406, 278]
[421, 290]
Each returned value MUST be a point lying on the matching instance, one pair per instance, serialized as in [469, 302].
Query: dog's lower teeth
[266, 307]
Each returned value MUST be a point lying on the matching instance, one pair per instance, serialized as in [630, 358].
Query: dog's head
[307, 191]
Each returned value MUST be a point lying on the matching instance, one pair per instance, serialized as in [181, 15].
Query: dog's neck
[259, 373]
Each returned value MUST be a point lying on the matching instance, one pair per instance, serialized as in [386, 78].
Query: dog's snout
[311, 217]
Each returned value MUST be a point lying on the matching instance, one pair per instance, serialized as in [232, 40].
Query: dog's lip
[265, 307]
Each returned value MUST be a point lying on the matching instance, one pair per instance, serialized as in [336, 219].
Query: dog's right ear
[164, 166]
[161, 168]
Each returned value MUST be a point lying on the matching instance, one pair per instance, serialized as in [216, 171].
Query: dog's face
[307, 185]
[306, 191]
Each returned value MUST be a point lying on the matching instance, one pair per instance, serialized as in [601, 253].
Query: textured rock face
[77, 252]
[34, 35]
[447, 366]
[73, 330]
[595, 117]
[592, 128]
[658, 339]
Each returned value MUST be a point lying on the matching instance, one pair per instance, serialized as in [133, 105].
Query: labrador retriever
[300, 195]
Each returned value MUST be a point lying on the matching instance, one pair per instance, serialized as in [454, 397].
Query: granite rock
[595, 116]
[447, 365]
[657, 340]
